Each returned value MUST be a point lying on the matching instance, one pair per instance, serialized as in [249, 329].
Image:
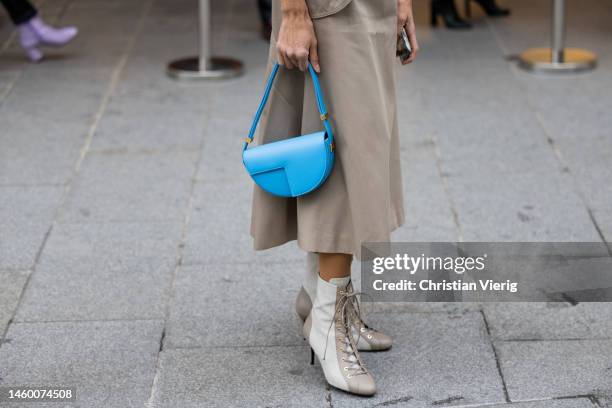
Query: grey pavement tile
[423, 231]
[588, 161]
[31, 157]
[239, 377]
[582, 117]
[41, 138]
[452, 308]
[549, 321]
[8, 78]
[103, 271]
[222, 150]
[111, 364]
[577, 402]
[219, 227]
[130, 187]
[427, 207]
[11, 287]
[604, 222]
[520, 207]
[132, 123]
[435, 358]
[26, 214]
[148, 110]
[36, 94]
[503, 157]
[545, 369]
[238, 304]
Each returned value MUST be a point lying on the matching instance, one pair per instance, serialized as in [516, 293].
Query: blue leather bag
[294, 166]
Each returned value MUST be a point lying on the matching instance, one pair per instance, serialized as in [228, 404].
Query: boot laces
[356, 316]
[342, 315]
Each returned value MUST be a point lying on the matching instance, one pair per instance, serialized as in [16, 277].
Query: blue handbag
[294, 166]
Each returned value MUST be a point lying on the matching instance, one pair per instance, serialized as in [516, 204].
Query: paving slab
[587, 158]
[34, 157]
[132, 123]
[427, 206]
[603, 219]
[435, 358]
[549, 321]
[42, 139]
[26, 214]
[551, 403]
[111, 364]
[103, 271]
[219, 227]
[12, 286]
[239, 304]
[545, 369]
[142, 113]
[130, 187]
[513, 207]
[239, 377]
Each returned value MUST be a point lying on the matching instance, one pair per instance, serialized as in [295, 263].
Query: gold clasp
[248, 140]
[324, 116]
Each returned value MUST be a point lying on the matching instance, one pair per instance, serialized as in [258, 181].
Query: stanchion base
[219, 68]
[540, 60]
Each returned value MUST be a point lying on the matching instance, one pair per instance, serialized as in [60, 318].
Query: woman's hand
[297, 42]
[405, 19]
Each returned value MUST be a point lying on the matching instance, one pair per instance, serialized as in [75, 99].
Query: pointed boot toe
[372, 340]
[363, 385]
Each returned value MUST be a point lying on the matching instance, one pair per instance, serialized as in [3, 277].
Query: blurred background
[126, 267]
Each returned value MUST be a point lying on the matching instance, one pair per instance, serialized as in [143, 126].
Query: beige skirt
[362, 199]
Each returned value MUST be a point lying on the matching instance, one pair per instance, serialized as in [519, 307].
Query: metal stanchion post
[204, 66]
[557, 58]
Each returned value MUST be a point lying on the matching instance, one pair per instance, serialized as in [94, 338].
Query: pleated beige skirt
[362, 199]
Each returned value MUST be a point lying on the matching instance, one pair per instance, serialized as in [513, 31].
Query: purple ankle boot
[35, 32]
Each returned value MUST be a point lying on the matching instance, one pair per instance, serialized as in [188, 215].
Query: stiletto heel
[468, 8]
[311, 356]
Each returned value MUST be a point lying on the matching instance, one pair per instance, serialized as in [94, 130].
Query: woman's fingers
[284, 57]
[314, 57]
[281, 59]
[298, 57]
[291, 58]
[414, 44]
[302, 59]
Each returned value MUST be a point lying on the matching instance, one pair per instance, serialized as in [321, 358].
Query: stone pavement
[126, 268]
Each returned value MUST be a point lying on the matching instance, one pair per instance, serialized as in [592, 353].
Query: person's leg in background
[490, 7]
[265, 12]
[447, 10]
[33, 31]
[20, 11]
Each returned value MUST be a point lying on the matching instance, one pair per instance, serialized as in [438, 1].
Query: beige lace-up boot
[369, 339]
[327, 329]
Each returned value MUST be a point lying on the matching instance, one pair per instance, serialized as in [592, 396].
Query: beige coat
[362, 200]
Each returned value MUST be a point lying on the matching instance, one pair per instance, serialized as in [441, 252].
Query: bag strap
[318, 93]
